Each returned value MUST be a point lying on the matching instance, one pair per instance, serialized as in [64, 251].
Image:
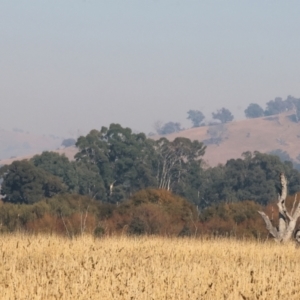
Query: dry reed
[50, 267]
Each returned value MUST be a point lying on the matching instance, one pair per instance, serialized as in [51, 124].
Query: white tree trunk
[287, 220]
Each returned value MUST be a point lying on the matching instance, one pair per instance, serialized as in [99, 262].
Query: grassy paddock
[50, 267]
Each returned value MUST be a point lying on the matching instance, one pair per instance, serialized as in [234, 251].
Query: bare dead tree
[168, 161]
[111, 187]
[287, 220]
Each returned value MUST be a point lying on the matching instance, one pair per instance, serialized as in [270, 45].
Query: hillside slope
[224, 141]
[69, 152]
[230, 140]
[18, 143]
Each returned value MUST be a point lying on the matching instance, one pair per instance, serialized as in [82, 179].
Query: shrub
[153, 211]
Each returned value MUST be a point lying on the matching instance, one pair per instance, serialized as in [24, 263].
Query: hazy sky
[69, 65]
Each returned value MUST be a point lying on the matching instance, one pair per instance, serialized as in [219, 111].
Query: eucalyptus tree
[223, 114]
[276, 106]
[169, 127]
[176, 159]
[58, 165]
[25, 183]
[125, 160]
[196, 117]
[254, 111]
[252, 177]
[128, 161]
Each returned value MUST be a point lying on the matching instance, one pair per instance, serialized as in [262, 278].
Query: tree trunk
[287, 220]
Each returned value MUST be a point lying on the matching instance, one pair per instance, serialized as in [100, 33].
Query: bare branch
[283, 183]
[287, 221]
[294, 205]
[269, 225]
[66, 227]
[282, 197]
[296, 214]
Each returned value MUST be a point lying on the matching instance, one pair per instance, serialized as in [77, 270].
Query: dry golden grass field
[50, 267]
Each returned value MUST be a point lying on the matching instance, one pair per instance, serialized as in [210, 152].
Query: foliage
[25, 183]
[176, 159]
[59, 166]
[128, 162]
[237, 211]
[153, 211]
[236, 219]
[224, 115]
[149, 211]
[80, 178]
[68, 142]
[254, 111]
[114, 163]
[277, 106]
[111, 164]
[254, 177]
[124, 160]
[90, 181]
[283, 155]
[169, 128]
[196, 117]
[60, 214]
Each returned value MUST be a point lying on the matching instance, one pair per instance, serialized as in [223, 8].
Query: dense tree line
[111, 165]
[224, 115]
[114, 163]
[254, 110]
[149, 211]
[274, 107]
[253, 177]
[197, 118]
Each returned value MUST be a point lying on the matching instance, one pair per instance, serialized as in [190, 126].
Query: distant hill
[19, 143]
[69, 152]
[267, 134]
[277, 133]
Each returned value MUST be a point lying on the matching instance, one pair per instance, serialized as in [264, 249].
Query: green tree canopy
[254, 111]
[169, 128]
[58, 165]
[223, 114]
[124, 159]
[68, 142]
[128, 162]
[178, 160]
[79, 177]
[276, 106]
[196, 117]
[25, 183]
[89, 181]
[254, 177]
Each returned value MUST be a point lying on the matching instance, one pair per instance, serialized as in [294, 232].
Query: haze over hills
[230, 140]
[18, 143]
[277, 133]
